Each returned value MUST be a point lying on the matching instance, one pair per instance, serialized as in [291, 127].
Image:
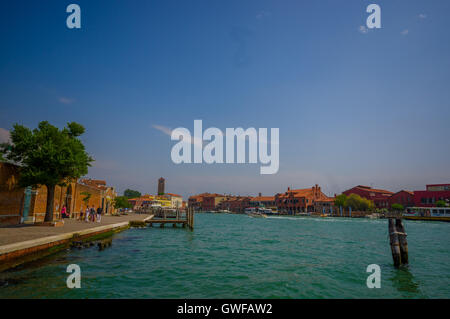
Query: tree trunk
[50, 203]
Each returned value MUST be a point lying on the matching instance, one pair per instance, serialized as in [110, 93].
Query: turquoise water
[235, 256]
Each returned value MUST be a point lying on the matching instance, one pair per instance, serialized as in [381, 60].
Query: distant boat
[303, 214]
[257, 212]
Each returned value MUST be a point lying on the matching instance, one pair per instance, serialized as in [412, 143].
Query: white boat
[257, 212]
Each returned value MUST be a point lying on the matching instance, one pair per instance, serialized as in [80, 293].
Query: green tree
[48, 156]
[131, 193]
[441, 203]
[340, 200]
[356, 202]
[121, 202]
[397, 207]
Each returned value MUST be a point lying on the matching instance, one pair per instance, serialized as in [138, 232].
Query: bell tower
[161, 182]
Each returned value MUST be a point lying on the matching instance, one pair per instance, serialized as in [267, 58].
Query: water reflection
[403, 281]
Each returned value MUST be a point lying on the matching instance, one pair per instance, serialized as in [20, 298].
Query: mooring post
[394, 242]
[402, 239]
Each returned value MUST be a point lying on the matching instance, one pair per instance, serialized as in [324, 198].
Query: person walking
[99, 214]
[81, 213]
[87, 214]
[92, 213]
[63, 212]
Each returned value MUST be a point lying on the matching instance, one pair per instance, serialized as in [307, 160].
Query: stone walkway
[21, 233]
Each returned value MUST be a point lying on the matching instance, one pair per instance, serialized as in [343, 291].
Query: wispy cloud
[5, 137]
[363, 29]
[65, 100]
[422, 16]
[168, 131]
[163, 129]
[404, 32]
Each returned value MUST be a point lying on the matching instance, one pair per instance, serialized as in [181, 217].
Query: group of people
[91, 214]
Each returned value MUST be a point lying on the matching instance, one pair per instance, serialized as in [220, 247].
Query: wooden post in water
[402, 239]
[394, 242]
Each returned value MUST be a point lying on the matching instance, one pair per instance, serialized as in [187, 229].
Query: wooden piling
[402, 240]
[394, 242]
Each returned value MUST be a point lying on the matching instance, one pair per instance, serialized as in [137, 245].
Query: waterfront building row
[313, 200]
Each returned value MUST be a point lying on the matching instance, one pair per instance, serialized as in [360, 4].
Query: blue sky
[354, 106]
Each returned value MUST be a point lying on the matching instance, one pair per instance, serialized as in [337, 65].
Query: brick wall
[11, 196]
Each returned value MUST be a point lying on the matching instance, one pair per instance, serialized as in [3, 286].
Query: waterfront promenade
[21, 233]
[22, 240]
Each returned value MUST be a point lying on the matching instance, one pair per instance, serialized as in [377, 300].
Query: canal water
[236, 256]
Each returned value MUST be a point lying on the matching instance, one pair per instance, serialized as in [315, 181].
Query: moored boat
[428, 213]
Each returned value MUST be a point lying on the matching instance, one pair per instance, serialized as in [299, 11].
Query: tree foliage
[397, 207]
[47, 156]
[441, 203]
[340, 200]
[131, 193]
[121, 202]
[359, 203]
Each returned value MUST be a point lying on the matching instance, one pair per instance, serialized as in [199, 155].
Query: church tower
[161, 186]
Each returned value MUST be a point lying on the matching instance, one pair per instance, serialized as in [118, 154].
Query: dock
[163, 217]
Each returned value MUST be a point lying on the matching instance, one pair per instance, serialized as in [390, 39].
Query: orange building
[308, 200]
[236, 204]
[266, 201]
[197, 201]
[28, 205]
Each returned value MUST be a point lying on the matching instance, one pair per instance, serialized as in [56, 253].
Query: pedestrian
[99, 214]
[92, 213]
[87, 213]
[81, 213]
[63, 212]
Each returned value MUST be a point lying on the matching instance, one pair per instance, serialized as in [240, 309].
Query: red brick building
[403, 197]
[433, 193]
[303, 201]
[266, 201]
[236, 204]
[380, 197]
[205, 201]
[28, 205]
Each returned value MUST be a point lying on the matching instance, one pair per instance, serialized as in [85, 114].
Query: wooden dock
[163, 217]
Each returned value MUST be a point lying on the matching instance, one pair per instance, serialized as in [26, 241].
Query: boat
[257, 212]
[303, 214]
[428, 213]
